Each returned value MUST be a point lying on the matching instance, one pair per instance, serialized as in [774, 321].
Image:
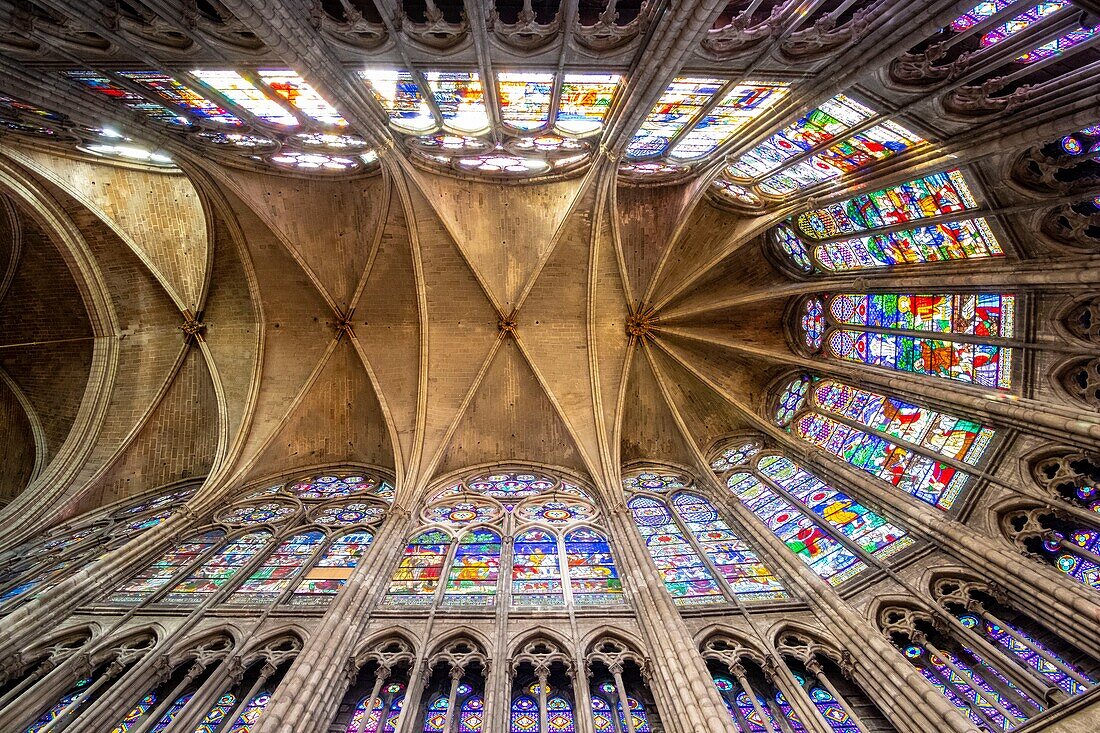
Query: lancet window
[378, 693]
[621, 702]
[929, 219]
[454, 700]
[37, 565]
[822, 679]
[917, 449]
[959, 336]
[548, 120]
[542, 699]
[273, 115]
[559, 555]
[836, 536]
[103, 668]
[837, 138]
[1038, 655]
[292, 543]
[1070, 545]
[997, 692]
[699, 557]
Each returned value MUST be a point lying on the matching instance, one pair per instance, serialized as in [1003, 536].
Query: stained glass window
[275, 575]
[399, 94]
[871, 532]
[246, 95]
[161, 571]
[601, 715]
[61, 705]
[301, 95]
[525, 99]
[1077, 555]
[593, 578]
[332, 487]
[559, 715]
[653, 481]
[806, 538]
[1029, 653]
[525, 715]
[979, 315]
[418, 575]
[364, 721]
[739, 106]
[469, 721]
[332, 571]
[218, 569]
[871, 450]
[933, 195]
[678, 105]
[472, 580]
[981, 11]
[536, 573]
[967, 690]
[345, 514]
[688, 579]
[638, 716]
[435, 716]
[134, 716]
[792, 399]
[793, 248]
[171, 713]
[585, 100]
[734, 560]
[258, 514]
[555, 511]
[736, 456]
[175, 92]
[462, 513]
[102, 85]
[511, 485]
[251, 713]
[817, 127]
[460, 99]
[874, 144]
[831, 710]
[813, 323]
[218, 713]
[1059, 45]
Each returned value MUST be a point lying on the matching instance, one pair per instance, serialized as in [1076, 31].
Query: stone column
[743, 680]
[884, 674]
[814, 667]
[677, 666]
[334, 640]
[1069, 608]
[543, 677]
[624, 698]
[170, 698]
[452, 698]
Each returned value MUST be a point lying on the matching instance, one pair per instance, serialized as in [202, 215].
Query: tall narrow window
[218, 570]
[134, 717]
[536, 574]
[593, 578]
[729, 554]
[686, 576]
[417, 577]
[248, 718]
[887, 437]
[273, 578]
[328, 576]
[472, 580]
[952, 336]
[160, 573]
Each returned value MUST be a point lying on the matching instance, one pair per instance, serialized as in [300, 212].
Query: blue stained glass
[1026, 650]
[831, 710]
[525, 715]
[593, 578]
[251, 713]
[748, 712]
[61, 705]
[213, 719]
[134, 717]
[470, 717]
[601, 715]
[171, 713]
[686, 576]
